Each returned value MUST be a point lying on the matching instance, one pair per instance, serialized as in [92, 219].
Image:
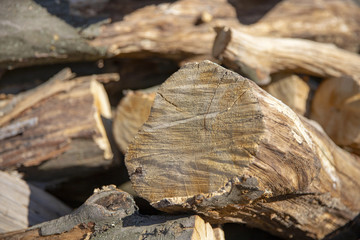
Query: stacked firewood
[193, 114]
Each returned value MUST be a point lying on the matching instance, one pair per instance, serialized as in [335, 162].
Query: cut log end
[227, 149]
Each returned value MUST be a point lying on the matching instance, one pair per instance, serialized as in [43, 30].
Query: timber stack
[190, 119]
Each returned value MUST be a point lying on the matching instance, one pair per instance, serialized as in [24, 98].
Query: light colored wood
[62, 120]
[258, 57]
[291, 90]
[112, 214]
[336, 106]
[23, 205]
[131, 113]
[175, 30]
[335, 21]
[217, 144]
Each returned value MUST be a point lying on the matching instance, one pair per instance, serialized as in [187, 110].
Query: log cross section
[217, 144]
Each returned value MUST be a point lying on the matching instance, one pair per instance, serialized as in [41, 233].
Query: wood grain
[258, 57]
[217, 144]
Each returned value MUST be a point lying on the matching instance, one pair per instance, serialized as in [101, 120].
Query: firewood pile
[185, 119]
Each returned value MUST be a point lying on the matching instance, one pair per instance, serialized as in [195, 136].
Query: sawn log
[218, 145]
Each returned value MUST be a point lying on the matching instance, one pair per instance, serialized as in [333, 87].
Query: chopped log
[63, 120]
[110, 213]
[23, 44]
[291, 90]
[23, 205]
[131, 113]
[218, 145]
[336, 106]
[336, 22]
[178, 30]
[258, 57]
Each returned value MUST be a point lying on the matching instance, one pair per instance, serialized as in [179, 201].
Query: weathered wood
[351, 231]
[24, 44]
[258, 57]
[336, 106]
[110, 213]
[177, 30]
[23, 205]
[217, 144]
[291, 90]
[62, 120]
[131, 113]
[335, 21]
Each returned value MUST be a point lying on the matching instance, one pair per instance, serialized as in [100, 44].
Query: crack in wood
[171, 103]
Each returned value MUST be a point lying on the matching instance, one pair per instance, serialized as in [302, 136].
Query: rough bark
[258, 57]
[23, 205]
[110, 213]
[217, 144]
[291, 90]
[131, 113]
[336, 106]
[63, 120]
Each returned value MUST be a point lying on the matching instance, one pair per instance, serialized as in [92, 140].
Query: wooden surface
[291, 90]
[336, 22]
[336, 106]
[258, 57]
[217, 144]
[64, 119]
[177, 30]
[110, 213]
[23, 205]
[131, 114]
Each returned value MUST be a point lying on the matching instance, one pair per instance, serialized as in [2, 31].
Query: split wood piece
[178, 30]
[291, 90]
[217, 144]
[23, 205]
[336, 22]
[258, 57]
[110, 213]
[336, 106]
[23, 44]
[63, 119]
[131, 113]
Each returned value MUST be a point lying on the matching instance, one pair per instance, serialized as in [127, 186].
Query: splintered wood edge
[221, 41]
[101, 102]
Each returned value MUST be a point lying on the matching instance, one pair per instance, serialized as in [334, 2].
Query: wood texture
[258, 57]
[336, 106]
[23, 205]
[217, 144]
[131, 113]
[335, 21]
[63, 118]
[291, 90]
[23, 44]
[110, 213]
[177, 30]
